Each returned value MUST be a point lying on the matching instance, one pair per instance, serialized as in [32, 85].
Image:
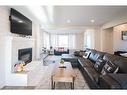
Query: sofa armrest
[107, 82]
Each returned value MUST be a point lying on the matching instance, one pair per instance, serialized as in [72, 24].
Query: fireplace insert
[25, 55]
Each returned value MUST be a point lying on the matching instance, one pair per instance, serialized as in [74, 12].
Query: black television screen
[124, 35]
[20, 24]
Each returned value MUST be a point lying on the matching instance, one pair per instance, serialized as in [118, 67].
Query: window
[63, 41]
[67, 40]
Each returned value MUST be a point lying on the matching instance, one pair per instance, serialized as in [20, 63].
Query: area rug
[45, 82]
[51, 59]
[80, 83]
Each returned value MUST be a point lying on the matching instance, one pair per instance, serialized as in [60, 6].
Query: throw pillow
[86, 54]
[109, 67]
[99, 64]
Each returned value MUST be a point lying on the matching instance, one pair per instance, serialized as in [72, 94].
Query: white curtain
[54, 40]
[63, 40]
[46, 41]
[71, 41]
[89, 38]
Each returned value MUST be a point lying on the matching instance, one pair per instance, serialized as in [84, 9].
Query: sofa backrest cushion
[99, 64]
[87, 53]
[109, 67]
[109, 57]
[94, 55]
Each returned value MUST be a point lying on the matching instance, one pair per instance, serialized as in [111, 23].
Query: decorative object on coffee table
[61, 65]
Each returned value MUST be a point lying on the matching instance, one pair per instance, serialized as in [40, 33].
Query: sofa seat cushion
[121, 62]
[92, 73]
[107, 82]
[121, 79]
[85, 62]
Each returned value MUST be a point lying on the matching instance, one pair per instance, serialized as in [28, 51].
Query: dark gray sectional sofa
[103, 70]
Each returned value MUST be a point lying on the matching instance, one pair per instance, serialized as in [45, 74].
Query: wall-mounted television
[19, 24]
[124, 35]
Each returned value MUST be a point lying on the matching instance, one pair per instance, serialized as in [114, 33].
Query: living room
[64, 36]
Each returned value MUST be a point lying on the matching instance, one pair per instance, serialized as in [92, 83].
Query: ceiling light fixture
[92, 21]
[68, 21]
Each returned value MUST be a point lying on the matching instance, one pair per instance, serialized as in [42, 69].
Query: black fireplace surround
[25, 55]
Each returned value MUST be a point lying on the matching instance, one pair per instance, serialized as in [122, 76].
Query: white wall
[118, 43]
[112, 39]
[107, 40]
[7, 50]
[37, 41]
[117, 25]
[2, 62]
[4, 31]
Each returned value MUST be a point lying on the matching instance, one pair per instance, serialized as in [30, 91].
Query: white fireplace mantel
[11, 57]
[19, 43]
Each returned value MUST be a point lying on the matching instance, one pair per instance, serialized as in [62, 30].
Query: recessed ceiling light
[68, 21]
[20, 21]
[92, 21]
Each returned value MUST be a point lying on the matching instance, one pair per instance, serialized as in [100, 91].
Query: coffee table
[63, 75]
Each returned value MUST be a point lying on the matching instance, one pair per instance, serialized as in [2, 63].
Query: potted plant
[61, 62]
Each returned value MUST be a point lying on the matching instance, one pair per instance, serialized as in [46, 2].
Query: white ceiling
[79, 15]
